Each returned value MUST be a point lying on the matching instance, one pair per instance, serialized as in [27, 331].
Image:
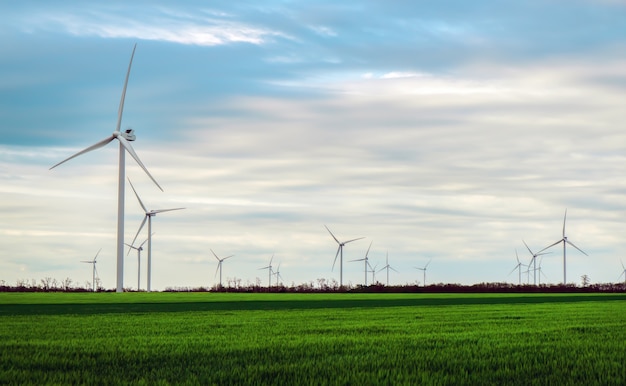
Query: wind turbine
[565, 241]
[518, 267]
[623, 272]
[278, 275]
[533, 261]
[269, 267]
[366, 259]
[138, 249]
[373, 271]
[95, 272]
[424, 269]
[540, 271]
[340, 252]
[387, 267]
[124, 139]
[219, 265]
[148, 216]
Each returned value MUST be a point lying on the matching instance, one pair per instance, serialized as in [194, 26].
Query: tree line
[321, 285]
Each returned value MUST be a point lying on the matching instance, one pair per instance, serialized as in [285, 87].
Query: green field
[292, 339]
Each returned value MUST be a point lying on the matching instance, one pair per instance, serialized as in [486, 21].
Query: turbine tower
[565, 241]
[269, 267]
[424, 269]
[219, 265]
[94, 271]
[340, 253]
[148, 216]
[387, 267]
[138, 249]
[533, 262]
[124, 140]
[623, 273]
[366, 260]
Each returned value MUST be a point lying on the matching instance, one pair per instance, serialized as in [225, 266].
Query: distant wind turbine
[518, 267]
[340, 253]
[366, 260]
[270, 272]
[387, 267]
[540, 272]
[565, 241]
[94, 271]
[533, 262]
[424, 269]
[219, 265]
[373, 271]
[124, 140]
[148, 216]
[623, 272]
[278, 275]
[138, 249]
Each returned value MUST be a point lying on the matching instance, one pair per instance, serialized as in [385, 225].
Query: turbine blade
[393, 269]
[337, 254]
[531, 252]
[550, 246]
[227, 257]
[218, 259]
[131, 151]
[217, 269]
[572, 244]
[90, 148]
[331, 233]
[426, 266]
[145, 241]
[368, 249]
[564, 218]
[121, 108]
[140, 228]
[137, 195]
[349, 241]
[164, 210]
[94, 259]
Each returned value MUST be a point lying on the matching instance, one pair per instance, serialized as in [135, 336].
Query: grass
[201, 338]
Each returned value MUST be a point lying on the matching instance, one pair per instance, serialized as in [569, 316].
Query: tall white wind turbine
[148, 216]
[424, 269]
[623, 273]
[138, 249]
[269, 268]
[340, 253]
[387, 267]
[565, 241]
[219, 264]
[124, 140]
[94, 271]
[366, 260]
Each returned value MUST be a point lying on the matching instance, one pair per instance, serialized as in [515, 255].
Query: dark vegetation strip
[250, 305]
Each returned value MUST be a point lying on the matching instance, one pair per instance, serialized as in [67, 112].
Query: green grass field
[292, 339]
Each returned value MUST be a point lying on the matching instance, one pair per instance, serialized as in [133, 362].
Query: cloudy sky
[443, 131]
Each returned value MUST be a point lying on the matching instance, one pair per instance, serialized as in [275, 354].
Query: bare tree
[586, 280]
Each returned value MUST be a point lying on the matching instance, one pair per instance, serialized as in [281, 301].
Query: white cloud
[163, 25]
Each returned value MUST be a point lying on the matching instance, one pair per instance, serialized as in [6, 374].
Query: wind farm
[452, 134]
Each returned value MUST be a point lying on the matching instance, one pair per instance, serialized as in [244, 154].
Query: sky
[445, 133]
